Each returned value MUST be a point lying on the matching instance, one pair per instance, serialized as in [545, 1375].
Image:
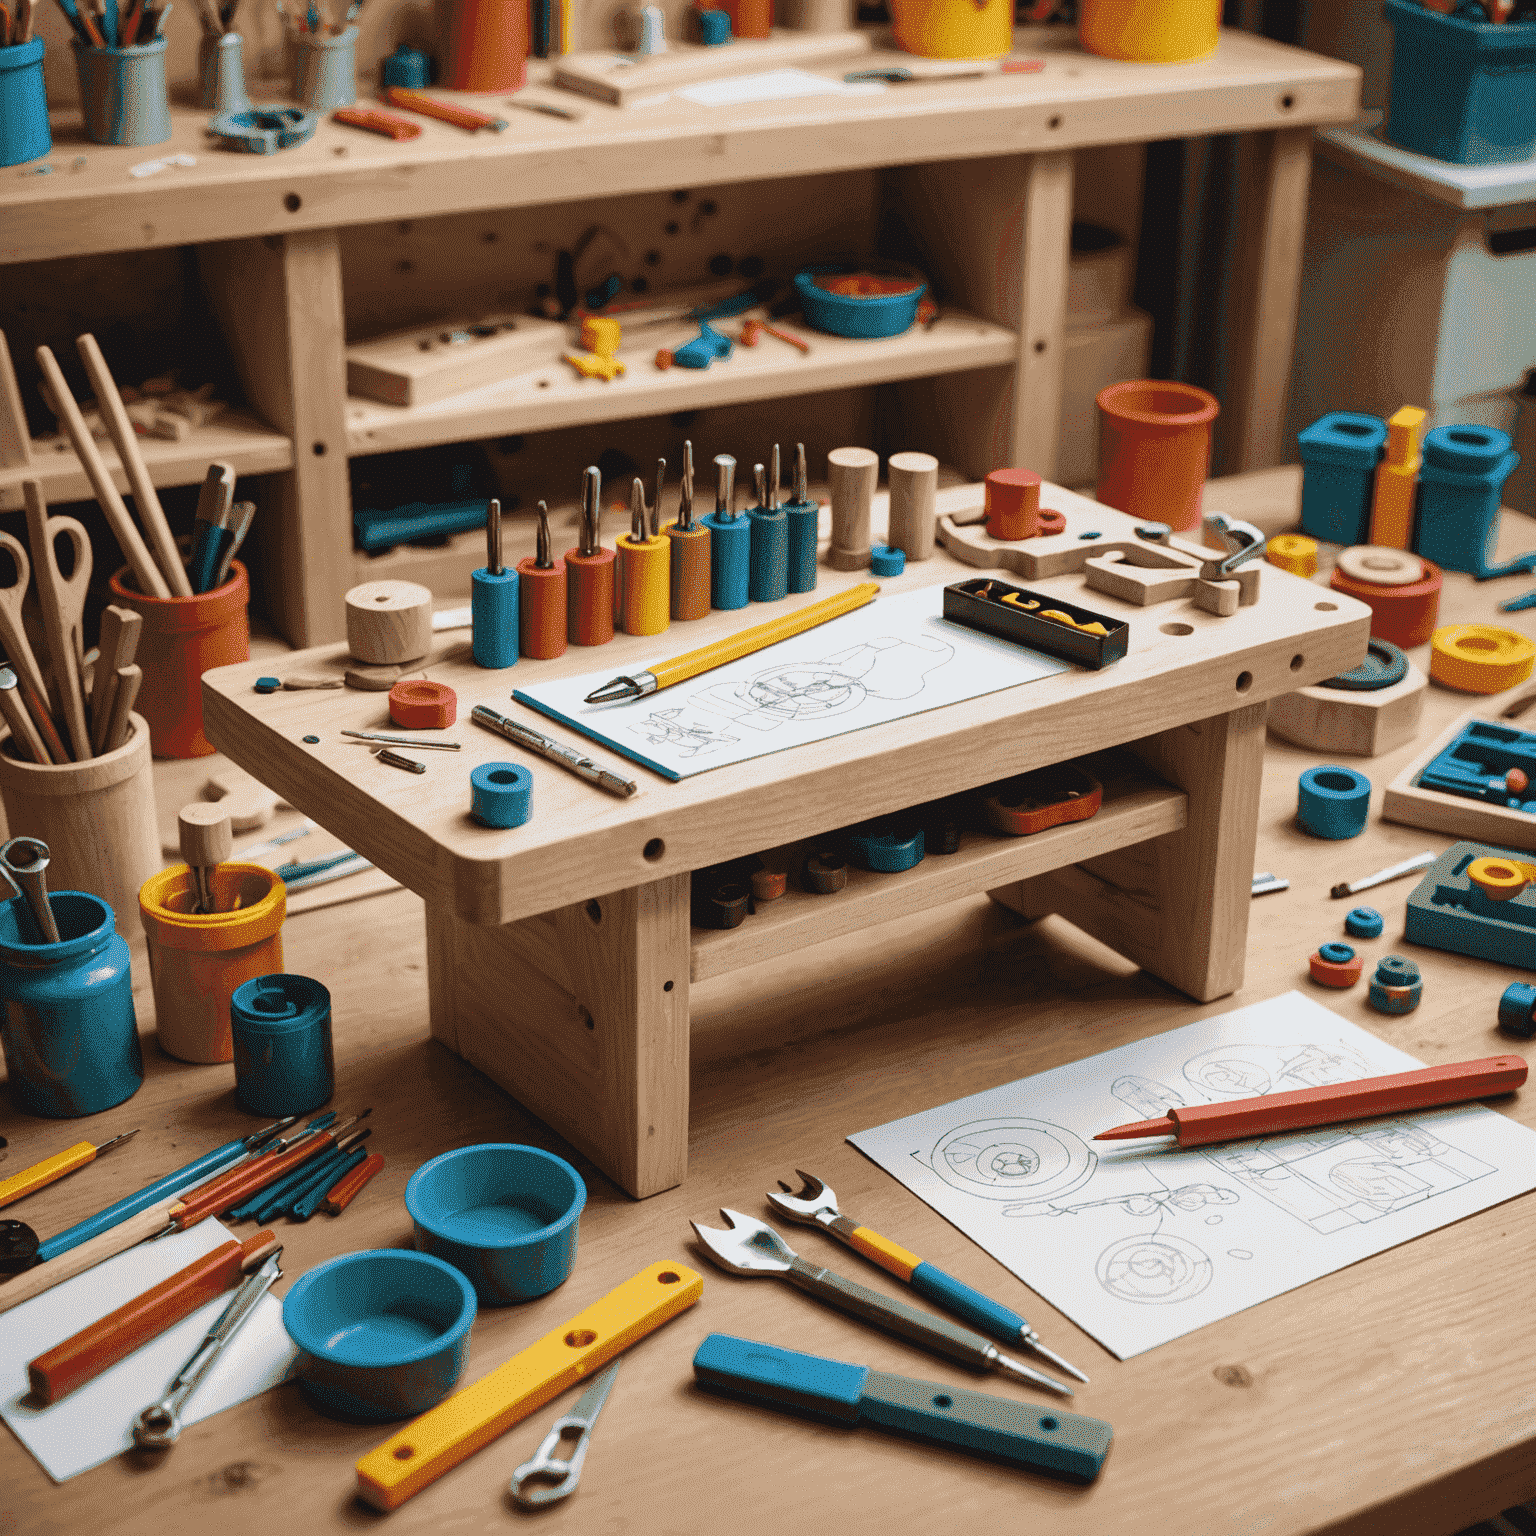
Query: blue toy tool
[493, 600]
[1460, 481]
[1363, 923]
[1487, 761]
[1396, 987]
[1517, 1010]
[1333, 802]
[1068, 1444]
[263, 130]
[308, 1202]
[887, 560]
[1339, 453]
[730, 542]
[501, 794]
[769, 577]
[374, 530]
[703, 349]
[802, 517]
[1447, 910]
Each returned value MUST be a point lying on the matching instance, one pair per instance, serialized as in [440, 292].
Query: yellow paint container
[1150, 31]
[954, 29]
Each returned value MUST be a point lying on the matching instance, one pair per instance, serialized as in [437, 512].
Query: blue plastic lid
[279, 1003]
[887, 560]
[1348, 438]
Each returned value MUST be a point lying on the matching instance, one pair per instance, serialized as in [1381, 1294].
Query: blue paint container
[123, 94]
[407, 66]
[802, 519]
[1339, 453]
[493, 615]
[282, 1032]
[1460, 481]
[730, 559]
[325, 69]
[858, 316]
[381, 1334]
[501, 794]
[70, 1037]
[1333, 802]
[768, 579]
[23, 104]
[502, 1214]
[221, 69]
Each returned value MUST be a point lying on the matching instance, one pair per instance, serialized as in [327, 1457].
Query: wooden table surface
[1392, 1397]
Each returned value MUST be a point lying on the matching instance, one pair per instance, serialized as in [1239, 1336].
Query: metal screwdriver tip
[1011, 1367]
[591, 509]
[685, 488]
[493, 538]
[637, 510]
[542, 557]
[760, 484]
[800, 480]
[725, 485]
[1033, 1344]
[774, 480]
[661, 481]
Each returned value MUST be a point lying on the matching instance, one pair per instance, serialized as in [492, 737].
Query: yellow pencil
[734, 647]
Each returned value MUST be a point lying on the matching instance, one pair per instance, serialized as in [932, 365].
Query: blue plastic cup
[502, 1214]
[281, 1026]
[381, 1334]
[122, 93]
[23, 104]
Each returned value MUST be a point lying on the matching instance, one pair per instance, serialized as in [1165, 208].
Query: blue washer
[493, 616]
[268, 684]
[887, 560]
[1517, 1010]
[1333, 802]
[887, 849]
[1396, 987]
[1363, 923]
[501, 794]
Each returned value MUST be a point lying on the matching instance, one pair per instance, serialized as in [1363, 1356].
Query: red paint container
[1404, 615]
[488, 45]
[1155, 450]
[182, 638]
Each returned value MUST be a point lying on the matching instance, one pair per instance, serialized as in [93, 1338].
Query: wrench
[24, 860]
[553, 1477]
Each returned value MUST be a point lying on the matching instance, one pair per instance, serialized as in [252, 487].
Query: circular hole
[1352, 429]
[654, 849]
[943, 1400]
[1244, 681]
[1341, 782]
[1053, 122]
[1049, 1423]
[405, 268]
[666, 986]
[1176, 628]
[503, 776]
[671, 226]
[594, 912]
[1297, 662]
[489, 237]
[1039, 347]
[720, 265]
[668, 1277]
[1471, 439]
[404, 1452]
[293, 202]
[318, 449]
[1287, 102]
[1326, 607]
[1476, 643]
[543, 383]
[579, 1338]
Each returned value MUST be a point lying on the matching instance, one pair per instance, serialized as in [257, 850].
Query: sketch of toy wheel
[804, 691]
[1018, 1160]
[1153, 1268]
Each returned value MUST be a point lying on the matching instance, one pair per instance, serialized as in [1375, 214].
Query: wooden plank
[1135, 808]
[1043, 304]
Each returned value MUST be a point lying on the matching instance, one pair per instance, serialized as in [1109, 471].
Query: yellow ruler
[446, 1435]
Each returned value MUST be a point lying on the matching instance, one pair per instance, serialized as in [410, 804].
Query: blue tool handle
[493, 615]
[376, 529]
[954, 1295]
[1068, 1444]
[175, 1183]
[208, 545]
[730, 560]
[278, 1196]
[309, 1202]
[802, 519]
[769, 580]
[922, 1328]
[784, 1377]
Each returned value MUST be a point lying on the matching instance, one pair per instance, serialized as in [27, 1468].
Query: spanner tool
[547, 1477]
[816, 1206]
[750, 1247]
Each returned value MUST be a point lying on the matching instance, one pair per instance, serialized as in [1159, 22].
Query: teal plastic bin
[23, 104]
[1463, 91]
[1339, 453]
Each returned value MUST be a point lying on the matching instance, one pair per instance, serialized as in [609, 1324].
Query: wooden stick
[151, 513]
[61, 614]
[145, 571]
[126, 1234]
[15, 441]
[18, 719]
[119, 644]
[123, 697]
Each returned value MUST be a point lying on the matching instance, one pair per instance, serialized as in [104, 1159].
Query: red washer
[417, 705]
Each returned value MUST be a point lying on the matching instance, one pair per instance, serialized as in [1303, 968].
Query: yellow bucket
[1150, 31]
[954, 29]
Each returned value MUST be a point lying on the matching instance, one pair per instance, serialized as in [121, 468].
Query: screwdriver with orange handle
[39, 1175]
[85, 1355]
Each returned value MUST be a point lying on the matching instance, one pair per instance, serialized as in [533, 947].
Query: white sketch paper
[1139, 1242]
[896, 656]
[95, 1422]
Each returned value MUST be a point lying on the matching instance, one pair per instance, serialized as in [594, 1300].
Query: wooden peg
[62, 603]
[914, 482]
[15, 441]
[206, 835]
[120, 629]
[389, 621]
[852, 473]
[124, 697]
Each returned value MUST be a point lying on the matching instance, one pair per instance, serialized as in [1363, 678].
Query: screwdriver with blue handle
[1051, 1440]
[816, 1206]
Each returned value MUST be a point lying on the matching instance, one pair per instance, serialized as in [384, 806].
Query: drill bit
[800, 483]
[773, 480]
[661, 480]
[493, 563]
[637, 511]
[685, 488]
[760, 484]
[542, 557]
[725, 486]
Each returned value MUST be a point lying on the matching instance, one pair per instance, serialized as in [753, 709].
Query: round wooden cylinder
[914, 482]
[852, 473]
[389, 621]
[819, 15]
[97, 818]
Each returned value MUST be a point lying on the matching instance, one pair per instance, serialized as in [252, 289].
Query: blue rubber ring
[1517, 1010]
[888, 850]
[1336, 953]
[501, 794]
[268, 684]
[1333, 802]
[1364, 923]
[887, 560]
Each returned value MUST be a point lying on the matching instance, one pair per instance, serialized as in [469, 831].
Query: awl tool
[753, 1248]
[816, 1206]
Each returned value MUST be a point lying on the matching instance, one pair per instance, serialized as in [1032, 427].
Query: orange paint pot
[542, 609]
[181, 638]
[749, 18]
[589, 596]
[197, 959]
[1155, 450]
[488, 45]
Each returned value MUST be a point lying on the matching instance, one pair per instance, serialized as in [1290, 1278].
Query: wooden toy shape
[431, 362]
[1366, 724]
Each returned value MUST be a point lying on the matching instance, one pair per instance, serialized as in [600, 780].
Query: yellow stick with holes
[453, 1431]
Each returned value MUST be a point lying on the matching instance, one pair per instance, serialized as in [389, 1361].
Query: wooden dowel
[123, 698]
[15, 441]
[60, 615]
[145, 571]
[18, 719]
[119, 644]
[126, 1234]
[151, 513]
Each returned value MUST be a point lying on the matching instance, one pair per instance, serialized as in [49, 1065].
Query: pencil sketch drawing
[1155, 1268]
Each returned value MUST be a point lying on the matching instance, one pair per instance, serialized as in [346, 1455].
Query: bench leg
[1176, 905]
[582, 1015]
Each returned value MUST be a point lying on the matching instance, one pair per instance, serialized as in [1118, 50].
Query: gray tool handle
[936, 1333]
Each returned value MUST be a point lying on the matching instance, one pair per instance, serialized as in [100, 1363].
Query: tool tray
[979, 604]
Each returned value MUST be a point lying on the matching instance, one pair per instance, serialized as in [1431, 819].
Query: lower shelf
[1137, 806]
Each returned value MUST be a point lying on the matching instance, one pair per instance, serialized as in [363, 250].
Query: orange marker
[589, 572]
[1395, 1094]
[642, 598]
[542, 611]
[345, 1190]
[689, 573]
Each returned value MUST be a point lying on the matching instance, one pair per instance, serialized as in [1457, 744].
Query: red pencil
[1398, 1093]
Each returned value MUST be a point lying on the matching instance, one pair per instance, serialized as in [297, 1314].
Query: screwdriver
[690, 550]
[802, 517]
[39, 1175]
[24, 860]
[642, 599]
[493, 600]
[542, 599]
[769, 580]
[730, 541]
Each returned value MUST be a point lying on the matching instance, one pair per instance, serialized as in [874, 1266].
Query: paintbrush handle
[43, 1277]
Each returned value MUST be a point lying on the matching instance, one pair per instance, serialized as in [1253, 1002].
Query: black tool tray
[965, 604]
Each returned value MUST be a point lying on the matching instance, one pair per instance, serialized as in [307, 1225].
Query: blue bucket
[23, 104]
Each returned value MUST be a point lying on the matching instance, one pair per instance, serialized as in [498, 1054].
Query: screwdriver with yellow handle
[44, 1173]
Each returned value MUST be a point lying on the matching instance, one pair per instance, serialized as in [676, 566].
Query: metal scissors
[554, 1477]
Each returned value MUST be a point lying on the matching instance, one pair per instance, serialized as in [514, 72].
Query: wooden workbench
[1390, 1399]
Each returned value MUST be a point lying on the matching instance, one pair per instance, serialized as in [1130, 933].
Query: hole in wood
[1326, 607]
[1176, 629]
[293, 202]
[579, 1338]
[666, 986]
[1244, 681]
[1053, 122]
[1039, 346]
[594, 912]
[1297, 662]
[1287, 102]
[654, 849]
[404, 1452]
[668, 1277]
[318, 449]
[587, 1019]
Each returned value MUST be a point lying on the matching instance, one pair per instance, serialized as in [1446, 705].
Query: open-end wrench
[816, 1206]
[24, 860]
[751, 1247]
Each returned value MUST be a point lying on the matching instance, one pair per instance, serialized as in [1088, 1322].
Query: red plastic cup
[488, 45]
[1012, 503]
[1155, 449]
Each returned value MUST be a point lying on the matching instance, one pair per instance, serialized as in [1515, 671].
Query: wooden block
[623, 79]
[914, 480]
[389, 621]
[1339, 721]
[206, 834]
[852, 473]
[431, 362]
[250, 804]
